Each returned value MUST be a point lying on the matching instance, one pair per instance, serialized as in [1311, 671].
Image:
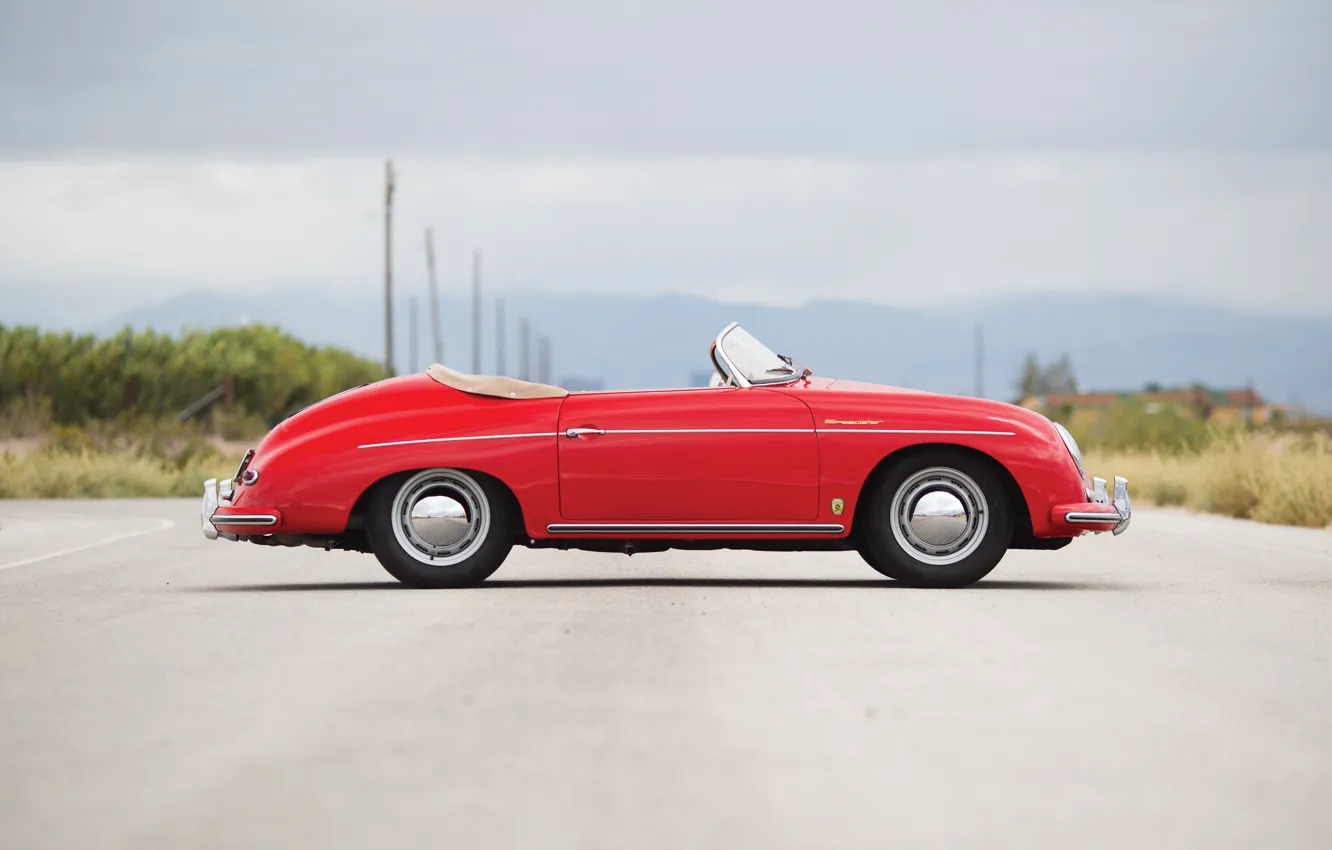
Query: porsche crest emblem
[838, 506]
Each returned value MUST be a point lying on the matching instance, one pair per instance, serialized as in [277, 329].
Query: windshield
[754, 361]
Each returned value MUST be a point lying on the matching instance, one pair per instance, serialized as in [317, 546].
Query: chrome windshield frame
[736, 375]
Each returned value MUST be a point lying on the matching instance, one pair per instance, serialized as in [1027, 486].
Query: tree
[1058, 377]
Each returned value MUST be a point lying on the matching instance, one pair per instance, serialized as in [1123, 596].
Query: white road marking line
[162, 525]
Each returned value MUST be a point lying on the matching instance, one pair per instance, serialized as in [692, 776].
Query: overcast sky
[905, 153]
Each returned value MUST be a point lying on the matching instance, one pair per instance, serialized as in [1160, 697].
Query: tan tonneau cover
[493, 385]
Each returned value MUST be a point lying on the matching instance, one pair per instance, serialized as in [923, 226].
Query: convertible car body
[440, 474]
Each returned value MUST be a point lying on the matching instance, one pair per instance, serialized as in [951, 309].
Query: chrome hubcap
[939, 516]
[440, 517]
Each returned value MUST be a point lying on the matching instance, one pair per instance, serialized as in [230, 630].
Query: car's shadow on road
[760, 583]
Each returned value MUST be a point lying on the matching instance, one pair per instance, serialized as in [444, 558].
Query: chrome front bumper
[1123, 508]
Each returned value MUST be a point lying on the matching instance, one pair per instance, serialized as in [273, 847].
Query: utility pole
[499, 336]
[543, 374]
[980, 362]
[388, 267]
[411, 334]
[523, 357]
[434, 297]
[476, 312]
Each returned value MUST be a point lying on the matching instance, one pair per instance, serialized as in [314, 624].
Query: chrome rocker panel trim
[692, 528]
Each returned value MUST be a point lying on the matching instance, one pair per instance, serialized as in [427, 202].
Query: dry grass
[102, 475]
[1281, 479]
[129, 458]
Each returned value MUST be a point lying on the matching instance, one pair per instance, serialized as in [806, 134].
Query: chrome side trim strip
[915, 431]
[709, 431]
[1092, 519]
[795, 431]
[693, 431]
[454, 440]
[244, 519]
[692, 528]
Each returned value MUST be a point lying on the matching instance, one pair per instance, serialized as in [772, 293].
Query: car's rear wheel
[938, 518]
[441, 527]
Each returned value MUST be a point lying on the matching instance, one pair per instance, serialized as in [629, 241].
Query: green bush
[71, 380]
[1129, 425]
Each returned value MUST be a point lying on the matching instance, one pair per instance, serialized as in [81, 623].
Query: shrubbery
[1128, 425]
[70, 380]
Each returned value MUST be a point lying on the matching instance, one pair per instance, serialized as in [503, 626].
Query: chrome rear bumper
[212, 498]
[217, 494]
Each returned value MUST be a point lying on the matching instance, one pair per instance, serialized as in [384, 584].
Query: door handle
[583, 432]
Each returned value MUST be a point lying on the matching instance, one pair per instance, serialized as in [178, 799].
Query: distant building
[1233, 407]
[577, 383]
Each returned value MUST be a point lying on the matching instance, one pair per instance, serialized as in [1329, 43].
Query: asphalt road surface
[1168, 688]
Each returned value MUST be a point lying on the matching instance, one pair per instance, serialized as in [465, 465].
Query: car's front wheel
[939, 518]
[441, 527]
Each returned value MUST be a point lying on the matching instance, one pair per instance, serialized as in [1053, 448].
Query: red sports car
[440, 474]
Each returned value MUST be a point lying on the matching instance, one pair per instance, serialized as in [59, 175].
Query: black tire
[906, 538]
[404, 543]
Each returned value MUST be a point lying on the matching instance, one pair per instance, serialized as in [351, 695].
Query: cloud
[903, 152]
[837, 79]
[1252, 230]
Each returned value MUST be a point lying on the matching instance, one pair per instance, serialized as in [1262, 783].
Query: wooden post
[476, 312]
[524, 357]
[411, 334]
[980, 362]
[543, 375]
[499, 337]
[434, 298]
[388, 267]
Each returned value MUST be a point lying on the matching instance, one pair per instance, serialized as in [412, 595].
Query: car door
[718, 454]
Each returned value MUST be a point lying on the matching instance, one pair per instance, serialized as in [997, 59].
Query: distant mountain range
[1116, 342]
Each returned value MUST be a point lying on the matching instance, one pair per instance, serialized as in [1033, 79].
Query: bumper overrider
[221, 519]
[1102, 511]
